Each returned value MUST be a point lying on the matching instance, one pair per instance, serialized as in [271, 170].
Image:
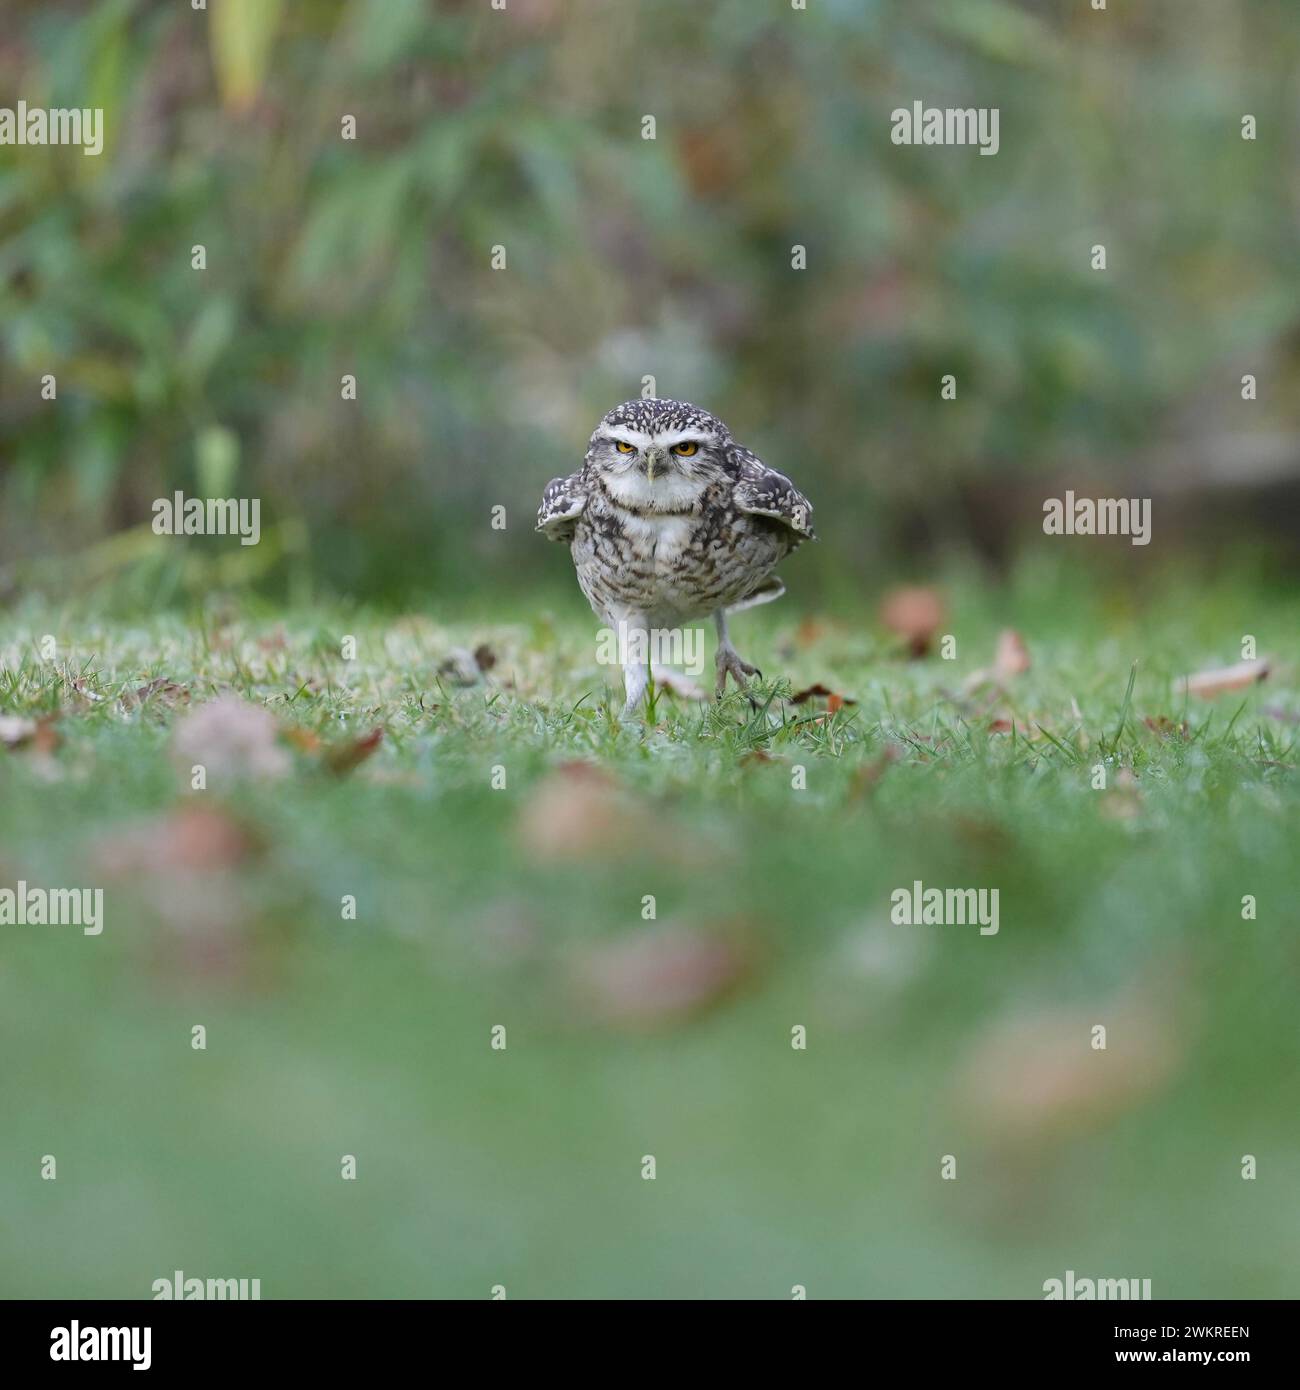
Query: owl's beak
[653, 458]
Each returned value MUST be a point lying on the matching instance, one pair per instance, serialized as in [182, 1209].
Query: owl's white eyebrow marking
[664, 438]
[670, 437]
[624, 433]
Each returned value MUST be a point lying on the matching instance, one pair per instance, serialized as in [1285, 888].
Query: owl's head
[658, 454]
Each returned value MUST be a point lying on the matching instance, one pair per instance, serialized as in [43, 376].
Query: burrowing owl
[669, 520]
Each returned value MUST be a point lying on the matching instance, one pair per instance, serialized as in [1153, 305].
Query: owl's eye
[686, 449]
[624, 448]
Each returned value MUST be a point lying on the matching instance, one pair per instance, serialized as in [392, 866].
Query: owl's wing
[762, 491]
[562, 502]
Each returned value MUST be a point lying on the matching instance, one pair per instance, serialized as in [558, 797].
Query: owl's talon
[730, 663]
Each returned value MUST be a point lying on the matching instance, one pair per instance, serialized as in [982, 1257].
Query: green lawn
[480, 904]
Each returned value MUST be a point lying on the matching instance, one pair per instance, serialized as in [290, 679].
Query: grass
[494, 885]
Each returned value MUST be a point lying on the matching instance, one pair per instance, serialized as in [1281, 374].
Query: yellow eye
[624, 448]
[687, 449]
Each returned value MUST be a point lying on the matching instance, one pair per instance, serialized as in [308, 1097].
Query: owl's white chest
[656, 577]
[661, 539]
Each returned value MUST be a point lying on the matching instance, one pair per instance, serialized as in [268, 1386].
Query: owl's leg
[728, 660]
[634, 639]
[636, 676]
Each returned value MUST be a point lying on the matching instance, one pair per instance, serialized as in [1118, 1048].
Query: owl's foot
[729, 663]
[683, 686]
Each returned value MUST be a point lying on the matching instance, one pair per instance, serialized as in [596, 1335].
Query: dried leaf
[15, 730]
[464, 667]
[661, 975]
[915, 614]
[1034, 1077]
[47, 737]
[342, 758]
[231, 738]
[834, 700]
[1012, 657]
[192, 838]
[164, 691]
[189, 868]
[1208, 684]
[577, 812]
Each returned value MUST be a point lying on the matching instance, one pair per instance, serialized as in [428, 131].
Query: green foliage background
[478, 128]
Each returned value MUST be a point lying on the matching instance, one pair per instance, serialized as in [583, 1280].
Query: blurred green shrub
[521, 128]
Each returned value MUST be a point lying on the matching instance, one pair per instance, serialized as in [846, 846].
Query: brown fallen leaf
[192, 837]
[1035, 1077]
[342, 758]
[192, 870]
[1010, 659]
[464, 667]
[15, 730]
[162, 690]
[231, 738]
[41, 735]
[834, 700]
[1012, 656]
[47, 738]
[304, 740]
[1164, 727]
[914, 613]
[1208, 684]
[577, 811]
[662, 975]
